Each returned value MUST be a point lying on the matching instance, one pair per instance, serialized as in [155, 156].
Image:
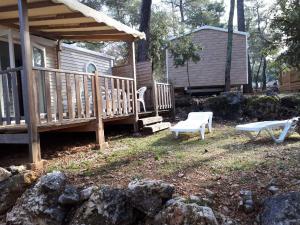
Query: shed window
[91, 68]
[38, 57]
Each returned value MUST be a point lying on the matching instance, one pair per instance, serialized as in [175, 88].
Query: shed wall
[210, 71]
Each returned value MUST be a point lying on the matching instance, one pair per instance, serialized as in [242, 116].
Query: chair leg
[143, 103]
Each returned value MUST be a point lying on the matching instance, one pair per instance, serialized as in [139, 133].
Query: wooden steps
[153, 124]
[150, 120]
[157, 127]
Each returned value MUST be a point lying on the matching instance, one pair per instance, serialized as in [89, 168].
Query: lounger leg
[176, 134]
[281, 137]
[202, 131]
[210, 124]
[251, 136]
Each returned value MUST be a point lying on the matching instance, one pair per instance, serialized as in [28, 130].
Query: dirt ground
[225, 163]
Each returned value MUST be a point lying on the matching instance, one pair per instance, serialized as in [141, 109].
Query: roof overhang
[67, 20]
[210, 28]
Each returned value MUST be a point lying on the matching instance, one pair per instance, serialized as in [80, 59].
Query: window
[91, 68]
[38, 56]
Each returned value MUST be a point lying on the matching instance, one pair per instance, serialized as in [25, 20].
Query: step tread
[157, 127]
[150, 120]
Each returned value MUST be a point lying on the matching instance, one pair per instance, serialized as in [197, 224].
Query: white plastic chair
[254, 129]
[141, 93]
[196, 122]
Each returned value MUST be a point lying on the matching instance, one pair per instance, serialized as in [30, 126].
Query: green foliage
[287, 30]
[184, 50]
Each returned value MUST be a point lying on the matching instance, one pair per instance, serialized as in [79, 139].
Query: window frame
[87, 65]
[43, 49]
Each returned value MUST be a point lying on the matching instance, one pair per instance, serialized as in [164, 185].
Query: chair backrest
[141, 92]
[199, 115]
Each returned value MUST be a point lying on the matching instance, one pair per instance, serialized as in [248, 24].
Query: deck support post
[28, 83]
[173, 103]
[100, 138]
[155, 103]
[133, 64]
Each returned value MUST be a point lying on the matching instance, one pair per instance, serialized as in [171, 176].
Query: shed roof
[67, 19]
[211, 28]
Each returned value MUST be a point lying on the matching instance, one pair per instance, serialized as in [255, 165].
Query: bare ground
[225, 163]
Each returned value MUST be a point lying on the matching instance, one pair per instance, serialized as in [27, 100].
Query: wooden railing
[63, 95]
[164, 96]
[117, 96]
[11, 102]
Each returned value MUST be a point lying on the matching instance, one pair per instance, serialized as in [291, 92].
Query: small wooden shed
[208, 75]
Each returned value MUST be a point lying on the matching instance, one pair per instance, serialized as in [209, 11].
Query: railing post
[28, 84]
[155, 98]
[100, 138]
[173, 102]
[136, 111]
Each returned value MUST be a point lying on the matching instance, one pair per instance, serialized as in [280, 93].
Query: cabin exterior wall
[210, 70]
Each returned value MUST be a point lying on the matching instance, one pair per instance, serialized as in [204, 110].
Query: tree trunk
[181, 10]
[229, 46]
[264, 76]
[241, 15]
[241, 27]
[143, 45]
[257, 74]
[188, 74]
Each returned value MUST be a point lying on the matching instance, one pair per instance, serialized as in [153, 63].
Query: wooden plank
[128, 97]
[93, 96]
[113, 97]
[33, 5]
[150, 120]
[28, 83]
[15, 97]
[157, 127]
[154, 97]
[6, 99]
[159, 96]
[78, 99]
[1, 119]
[48, 96]
[119, 110]
[86, 96]
[108, 106]
[124, 98]
[100, 139]
[37, 78]
[59, 102]
[69, 96]
[14, 138]
[132, 99]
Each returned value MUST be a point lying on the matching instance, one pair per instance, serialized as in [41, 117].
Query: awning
[67, 20]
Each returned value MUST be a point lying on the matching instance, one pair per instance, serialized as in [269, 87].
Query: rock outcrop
[178, 212]
[281, 209]
[13, 187]
[106, 206]
[149, 196]
[39, 204]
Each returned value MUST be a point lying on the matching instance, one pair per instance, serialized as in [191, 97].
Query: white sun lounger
[254, 129]
[196, 122]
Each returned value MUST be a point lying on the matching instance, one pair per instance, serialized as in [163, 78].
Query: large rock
[12, 188]
[226, 106]
[283, 209]
[4, 174]
[178, 212]
[148, 196]
[106, 206]
[39, 204]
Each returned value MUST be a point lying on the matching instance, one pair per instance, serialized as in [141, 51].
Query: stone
[12, 188]
[39, 204]
[70, 196]
[281, 209]
[210, 193]
[247, 203]
[86, 193]
[16, 169]
[106, 206]
[273, 189]
[4, 174]
[148, 196]
[178, 212]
